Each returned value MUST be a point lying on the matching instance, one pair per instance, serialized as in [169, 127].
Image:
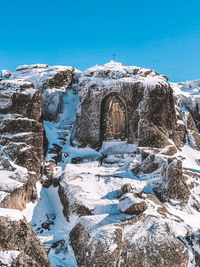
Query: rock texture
[142, 100]
[173, 184]
[27, 95]
[51, 81]
[131, 200]
[122, 244]
[18, 236]
[21, 142]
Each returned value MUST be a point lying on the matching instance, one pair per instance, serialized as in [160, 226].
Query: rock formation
[140, 100]
[21, 142]
[17, 235]
[123, 169]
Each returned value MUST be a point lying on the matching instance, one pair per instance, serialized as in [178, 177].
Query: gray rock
[18, 235]
[173, 183]
[118, 103]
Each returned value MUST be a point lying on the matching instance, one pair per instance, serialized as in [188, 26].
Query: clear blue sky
[159, 34]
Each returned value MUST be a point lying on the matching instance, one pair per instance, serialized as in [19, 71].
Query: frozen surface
[7, 257]
[12, 214]
[48, 208]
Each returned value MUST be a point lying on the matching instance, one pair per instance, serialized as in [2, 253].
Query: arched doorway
[113, 118]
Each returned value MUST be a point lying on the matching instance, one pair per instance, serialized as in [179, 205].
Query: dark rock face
[173, 184]
[18, 235]
[147, 111]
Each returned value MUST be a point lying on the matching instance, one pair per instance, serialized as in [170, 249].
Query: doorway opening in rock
[113, 118]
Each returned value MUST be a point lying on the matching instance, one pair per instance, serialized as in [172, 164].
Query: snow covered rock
[138, 103]
[5, 74]
[88, 188]
[126, 188]
[132, 205]
[173, 184]
[21, 142]
[18, 242]
[151, 163]
[51, 81]
[143, 240]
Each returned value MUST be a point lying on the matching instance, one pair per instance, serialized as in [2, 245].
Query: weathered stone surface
[21, 142]
[121, 243]
[17, 123]
[18, 235]
[51, 81]
[147, 111]
[126, 188]
[70, 206]
[173, 184]
[132, 204]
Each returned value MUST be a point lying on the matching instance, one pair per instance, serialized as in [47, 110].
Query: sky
[160, 34]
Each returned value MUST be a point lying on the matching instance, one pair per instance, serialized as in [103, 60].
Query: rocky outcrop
[5, 74]
[192, 133]
[131, 204]
[140, 99]
[17, 235]
[173, 183]
[27, 94]
[122, 244]
[21, 142]
[51, 81]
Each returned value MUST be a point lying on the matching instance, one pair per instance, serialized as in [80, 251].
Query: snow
[11, 179]
[12, 214]
[7, 257]
[190, 156]
[49, 206]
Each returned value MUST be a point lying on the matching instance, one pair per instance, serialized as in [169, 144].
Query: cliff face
[21, 142]
[27, 96]
[134, 198]
[19, 241]
[149, 109]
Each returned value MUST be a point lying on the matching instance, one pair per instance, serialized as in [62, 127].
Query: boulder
[17, 235]
[151, 163]
[131, 204]
[126, 188]
[122, 244]
[173, 184]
